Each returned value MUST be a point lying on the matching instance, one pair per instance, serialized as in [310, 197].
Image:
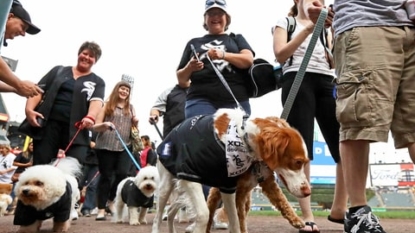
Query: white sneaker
[190, 228]
[74, 214]
[94, 211]
[218, 224]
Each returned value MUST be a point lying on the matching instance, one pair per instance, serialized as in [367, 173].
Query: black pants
[113, 166]
[314, 100]
[56, 136]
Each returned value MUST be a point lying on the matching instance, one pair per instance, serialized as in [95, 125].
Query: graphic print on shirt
[220, 64]
[89, 88]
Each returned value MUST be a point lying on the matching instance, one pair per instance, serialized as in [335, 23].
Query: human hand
[32, 117]
[313, 10]
[28, 89]
[87, 122]
[153, 119]
[330, 16]
[216, 54]
[109, 125]
[195, 65]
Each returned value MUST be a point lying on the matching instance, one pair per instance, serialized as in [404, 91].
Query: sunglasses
[219, 2]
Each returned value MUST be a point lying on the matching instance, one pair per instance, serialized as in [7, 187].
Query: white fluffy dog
[136, 192]
[5, 200]
[47, 191]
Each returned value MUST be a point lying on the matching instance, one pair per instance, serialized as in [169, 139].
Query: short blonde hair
[6, 146]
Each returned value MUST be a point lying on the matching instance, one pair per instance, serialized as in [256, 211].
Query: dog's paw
[297, 223]
[134, 223]
[119, 221]
[143, 221]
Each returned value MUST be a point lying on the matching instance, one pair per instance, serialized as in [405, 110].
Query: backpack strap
[291, 25]
[324, 42]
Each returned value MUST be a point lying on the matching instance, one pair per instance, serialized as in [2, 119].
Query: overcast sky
[144, 39]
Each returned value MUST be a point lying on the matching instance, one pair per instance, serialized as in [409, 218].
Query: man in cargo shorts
[375, 64]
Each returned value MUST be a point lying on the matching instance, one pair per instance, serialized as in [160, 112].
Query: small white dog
[47, 191]
[136, 192]
[5, 200]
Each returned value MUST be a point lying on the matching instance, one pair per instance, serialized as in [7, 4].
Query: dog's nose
[305, 189]
[25, 191]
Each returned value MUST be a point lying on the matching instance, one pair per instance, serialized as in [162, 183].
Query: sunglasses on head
[219, 2]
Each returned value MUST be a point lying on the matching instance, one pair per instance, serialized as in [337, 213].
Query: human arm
[183, 74]
[23, 88]
[159, 106]
[100, 125]
[7, 170]
[134, 119]
[188, 65]
[6, 88]
[284, 49]
[242, 60]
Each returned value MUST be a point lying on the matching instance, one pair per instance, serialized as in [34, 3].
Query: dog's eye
[38, 183]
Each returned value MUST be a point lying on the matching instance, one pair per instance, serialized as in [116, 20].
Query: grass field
[386, 214]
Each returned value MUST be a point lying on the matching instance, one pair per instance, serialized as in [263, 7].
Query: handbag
[263, 78]
[15, 177]
[25, 127]
[137, 144]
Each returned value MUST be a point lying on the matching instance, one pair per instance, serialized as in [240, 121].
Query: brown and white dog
[258, 174]
[216, 149]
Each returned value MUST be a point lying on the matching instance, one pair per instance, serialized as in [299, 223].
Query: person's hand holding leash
[153, 119]
[109, 125]
[87, 122]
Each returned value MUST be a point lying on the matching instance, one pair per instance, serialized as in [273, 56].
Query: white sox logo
[89, 88]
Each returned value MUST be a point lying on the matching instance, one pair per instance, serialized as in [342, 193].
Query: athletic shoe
[74, 214]
[217, 224]
[363, 221]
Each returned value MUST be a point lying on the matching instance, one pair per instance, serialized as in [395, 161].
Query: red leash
[78, 126]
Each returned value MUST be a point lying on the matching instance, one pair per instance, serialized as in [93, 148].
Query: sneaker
[217, 224]
[86, 213]
[363, 221]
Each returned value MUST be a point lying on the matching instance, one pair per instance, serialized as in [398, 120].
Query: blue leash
[126, 149]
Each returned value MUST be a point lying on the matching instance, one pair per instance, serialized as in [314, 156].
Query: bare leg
[355, 162]
[305, 203]
[339, 206]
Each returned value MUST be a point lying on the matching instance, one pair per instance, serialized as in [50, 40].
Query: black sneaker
[363, 221]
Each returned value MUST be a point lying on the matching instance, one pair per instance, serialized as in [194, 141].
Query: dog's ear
[274, 142]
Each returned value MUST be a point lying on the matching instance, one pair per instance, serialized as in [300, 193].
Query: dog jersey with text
[192, 151]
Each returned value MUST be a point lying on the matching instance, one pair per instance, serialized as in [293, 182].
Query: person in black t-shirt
[230, 55]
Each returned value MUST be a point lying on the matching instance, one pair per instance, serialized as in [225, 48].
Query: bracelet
[91, 118]
[223, 54]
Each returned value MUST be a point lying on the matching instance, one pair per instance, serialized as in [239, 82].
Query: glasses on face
[215, 13]
[219, 2]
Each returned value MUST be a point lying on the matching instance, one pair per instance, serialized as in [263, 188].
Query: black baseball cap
[20, 12]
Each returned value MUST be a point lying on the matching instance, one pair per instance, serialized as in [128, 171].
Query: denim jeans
[92, 177]
[195, 107]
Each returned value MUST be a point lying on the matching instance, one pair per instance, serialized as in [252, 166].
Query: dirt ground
[256, 224]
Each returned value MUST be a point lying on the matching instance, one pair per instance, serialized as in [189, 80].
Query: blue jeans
[91, 179]
[195, 107]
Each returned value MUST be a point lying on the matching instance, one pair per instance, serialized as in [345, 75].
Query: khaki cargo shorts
[375, 69]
